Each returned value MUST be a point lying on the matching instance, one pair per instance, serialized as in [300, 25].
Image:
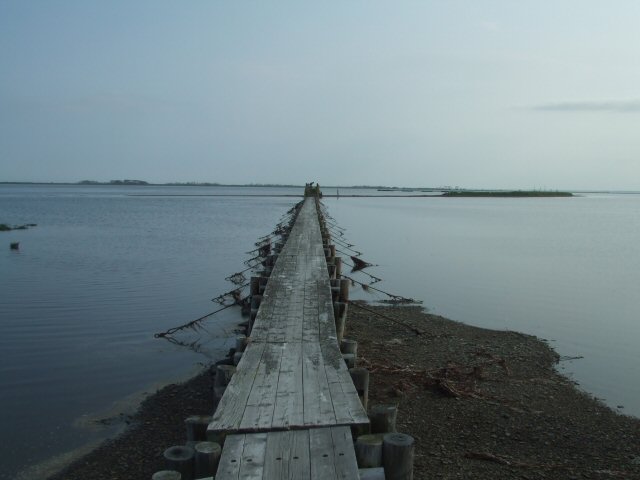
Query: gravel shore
[157, 425]
[485, 404]
[481, 404]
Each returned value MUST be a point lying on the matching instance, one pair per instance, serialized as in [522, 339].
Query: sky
[476, 94]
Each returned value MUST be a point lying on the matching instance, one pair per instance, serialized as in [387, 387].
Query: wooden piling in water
[237, 356]
[241, 343]
[254, 286]
[224, 374]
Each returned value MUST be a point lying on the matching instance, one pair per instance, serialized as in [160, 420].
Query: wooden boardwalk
[318, 453]
[289, 408]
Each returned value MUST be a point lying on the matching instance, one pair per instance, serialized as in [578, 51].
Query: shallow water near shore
[104, 270]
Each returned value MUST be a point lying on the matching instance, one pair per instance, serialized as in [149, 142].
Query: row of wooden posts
[381, 452]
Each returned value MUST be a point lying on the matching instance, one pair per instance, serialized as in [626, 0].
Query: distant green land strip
[7, 228]
[513, 193]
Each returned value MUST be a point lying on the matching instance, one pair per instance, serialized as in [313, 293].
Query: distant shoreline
[512, 193]
[406, 190]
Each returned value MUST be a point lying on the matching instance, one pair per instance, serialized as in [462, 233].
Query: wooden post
[383, 418]
[335, 288]
[344, 290]
[166, 475]
[196, 426]
[255, 305]
[369, 450]
[180, 459]
[338, 262]
[331, 268]
[224, 374]
[397, 456]
[349, 359]
[254, 288]
[237, 356]
[243, 328]
[340, 319]
[241, 343]
[207, 458]
[218, 392]
[349, 346]
[360, 378]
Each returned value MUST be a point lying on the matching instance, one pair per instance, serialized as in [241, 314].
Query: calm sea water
[104, 270]
[563, 269]
[100, 274]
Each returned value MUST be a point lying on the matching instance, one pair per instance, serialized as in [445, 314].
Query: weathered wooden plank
[346, 403]
[253, 455]
[318, 453]
[260, 403]
[289, 407]
[302, 312]
[287, 455]
[318, 405]
[230, 411]
[325, 319]
[344, 456]
[231, 458]
[303, 238]
[322, 461]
